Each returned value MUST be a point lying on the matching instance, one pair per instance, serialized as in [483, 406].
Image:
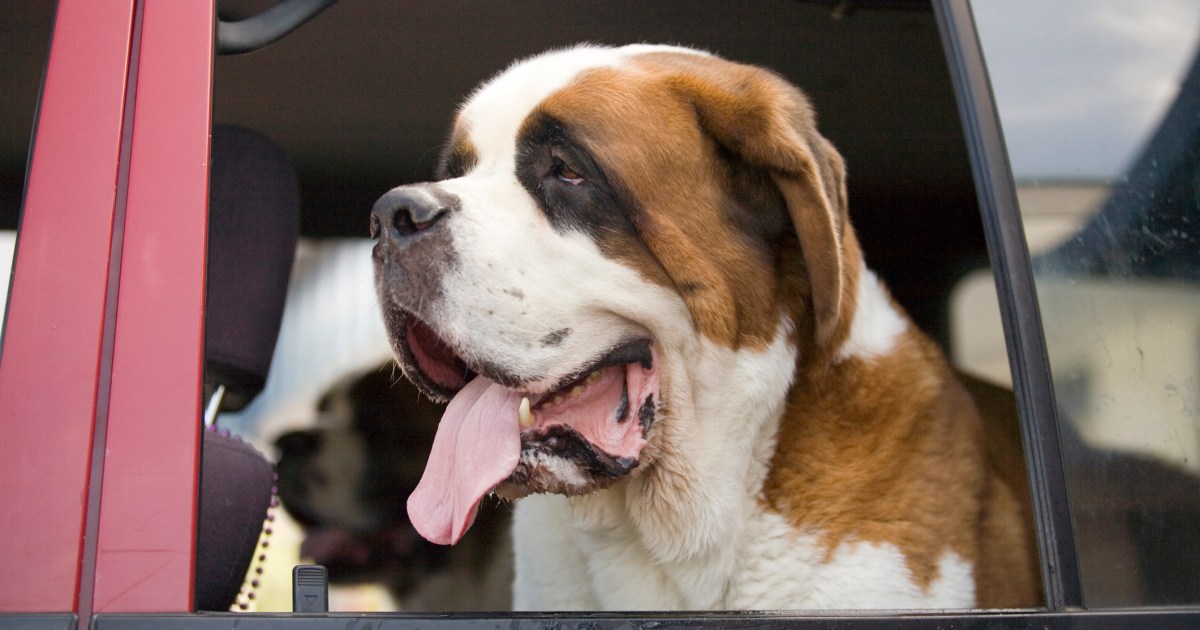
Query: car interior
[358, 99]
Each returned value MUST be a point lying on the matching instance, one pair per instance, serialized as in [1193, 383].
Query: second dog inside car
[346, 481]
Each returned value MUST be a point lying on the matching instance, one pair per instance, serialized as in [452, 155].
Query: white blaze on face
[495, 111]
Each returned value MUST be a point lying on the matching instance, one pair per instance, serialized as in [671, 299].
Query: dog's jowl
[637, 285]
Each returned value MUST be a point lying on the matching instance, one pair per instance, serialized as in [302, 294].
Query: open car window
[359, 100]
[1098, 101]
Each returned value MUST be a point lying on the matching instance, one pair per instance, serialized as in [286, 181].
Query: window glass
[8, 244]
[1100, 106]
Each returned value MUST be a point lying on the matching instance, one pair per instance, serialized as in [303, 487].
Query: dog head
[626, 254]
[346, 480]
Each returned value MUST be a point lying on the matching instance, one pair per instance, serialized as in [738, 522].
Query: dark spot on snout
[555, 338]
[459, 158]
[517, 293]
[646, 414]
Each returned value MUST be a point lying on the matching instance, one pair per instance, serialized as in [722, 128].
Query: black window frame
[1026, 345]
[1020, 313]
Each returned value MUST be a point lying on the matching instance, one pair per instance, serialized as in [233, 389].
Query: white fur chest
[564, 567]
[716, 547]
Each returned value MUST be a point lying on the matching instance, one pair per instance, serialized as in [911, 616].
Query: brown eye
[566, 174]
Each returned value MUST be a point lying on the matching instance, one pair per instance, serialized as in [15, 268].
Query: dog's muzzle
[415, 246]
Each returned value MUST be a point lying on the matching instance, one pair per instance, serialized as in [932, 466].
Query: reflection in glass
[1100, 106]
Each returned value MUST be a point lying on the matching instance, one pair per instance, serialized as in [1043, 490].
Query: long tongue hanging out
[472, 452]
[478, 443]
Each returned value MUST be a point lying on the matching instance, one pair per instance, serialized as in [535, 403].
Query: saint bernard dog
[636, 284]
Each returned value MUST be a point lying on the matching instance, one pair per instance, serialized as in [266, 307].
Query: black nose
[299, 443]
[407, 210]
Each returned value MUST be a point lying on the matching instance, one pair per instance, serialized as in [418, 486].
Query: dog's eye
[566, 174]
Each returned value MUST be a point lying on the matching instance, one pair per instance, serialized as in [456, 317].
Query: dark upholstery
[254, 210]
[236, 484]
[253, 224]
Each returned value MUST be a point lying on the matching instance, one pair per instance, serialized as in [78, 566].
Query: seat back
[254, 201]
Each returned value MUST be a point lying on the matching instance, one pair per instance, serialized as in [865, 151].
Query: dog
[636, 283]
[346, 482]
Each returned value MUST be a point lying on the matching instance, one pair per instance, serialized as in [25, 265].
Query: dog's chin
[557, 459]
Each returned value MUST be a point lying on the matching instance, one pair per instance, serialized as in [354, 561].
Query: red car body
[102, 357]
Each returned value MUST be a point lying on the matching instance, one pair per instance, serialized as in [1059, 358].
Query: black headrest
[254, 208]
[236, 491]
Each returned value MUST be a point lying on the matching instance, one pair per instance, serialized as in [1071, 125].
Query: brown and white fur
[809, 447]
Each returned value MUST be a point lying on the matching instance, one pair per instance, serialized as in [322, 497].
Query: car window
[1098, 101]
[8, 243]
[354, 127]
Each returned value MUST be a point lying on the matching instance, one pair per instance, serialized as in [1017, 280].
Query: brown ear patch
[768, 122]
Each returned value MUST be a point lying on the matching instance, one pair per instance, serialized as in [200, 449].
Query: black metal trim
[1158, 619]
[1019, 310]
[38, 621]
[250, 34]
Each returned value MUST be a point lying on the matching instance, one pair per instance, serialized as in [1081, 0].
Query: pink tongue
[477, 445]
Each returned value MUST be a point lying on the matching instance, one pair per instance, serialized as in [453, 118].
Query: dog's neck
[724, 408]
[715, 493]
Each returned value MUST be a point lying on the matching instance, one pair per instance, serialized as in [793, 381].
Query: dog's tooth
[557, 400]
[524, 415]
[575, 391]
[593, 377]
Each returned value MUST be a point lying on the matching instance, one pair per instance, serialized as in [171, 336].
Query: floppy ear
[768, 123]
[816, 200]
